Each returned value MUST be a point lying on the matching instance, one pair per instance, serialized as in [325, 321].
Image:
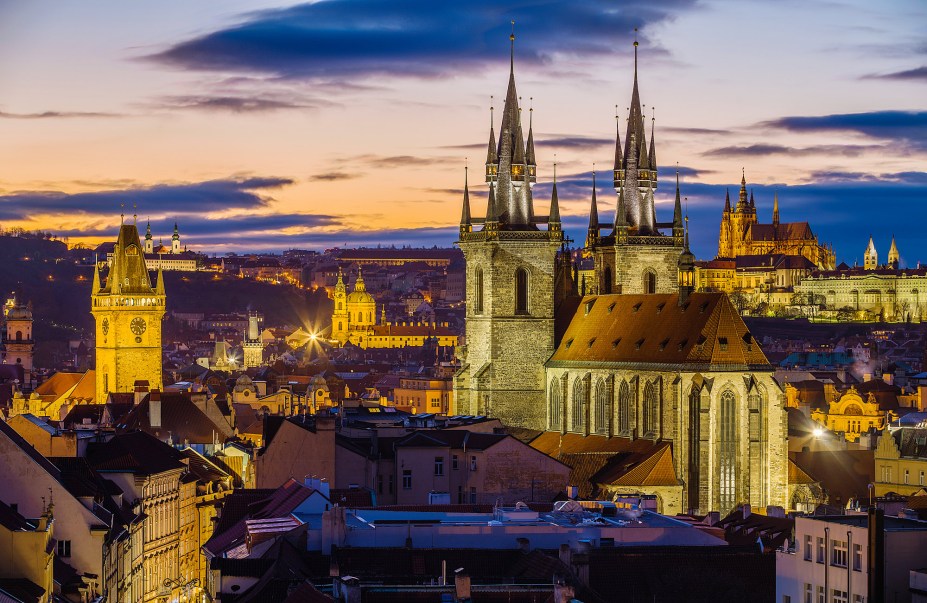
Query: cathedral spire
[727, 200]
[159, 287]
[775, 219]
[465, 222]
[492, 220]
[742, 199]
[96, 277]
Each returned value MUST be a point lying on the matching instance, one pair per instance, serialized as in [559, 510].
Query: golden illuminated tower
[128, 313]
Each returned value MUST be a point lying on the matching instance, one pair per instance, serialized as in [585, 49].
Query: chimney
[141, 388]
[921, 397]
[746, 510]
[566, 554]
[867, 377]
[154, 408]
[461, 585]
[876, 557]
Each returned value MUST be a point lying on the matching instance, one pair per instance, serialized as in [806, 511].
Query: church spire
[727, 200]
[465, 222]
[775, 209]
[492, 220]
[159, 287]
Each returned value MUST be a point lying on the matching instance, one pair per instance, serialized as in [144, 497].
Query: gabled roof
[451, 438]
[655, 329]
[180, 417]
[58, 384]
[784, 231]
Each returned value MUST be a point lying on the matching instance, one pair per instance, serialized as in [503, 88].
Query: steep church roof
[642, 329]
[783, 231]
[128, 272]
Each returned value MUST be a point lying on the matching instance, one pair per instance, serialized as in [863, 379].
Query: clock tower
[127, 311]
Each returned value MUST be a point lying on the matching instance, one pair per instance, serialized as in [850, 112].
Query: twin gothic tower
[520, 274]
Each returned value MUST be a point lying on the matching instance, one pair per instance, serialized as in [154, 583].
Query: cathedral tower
[893, 255]
[511, 276]
[633, 255]
[128, 313]
[149, 241]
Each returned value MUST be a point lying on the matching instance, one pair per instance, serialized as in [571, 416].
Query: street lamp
[179, 583]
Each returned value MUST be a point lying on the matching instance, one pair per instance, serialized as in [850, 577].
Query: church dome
[360, 297]
[19, 313]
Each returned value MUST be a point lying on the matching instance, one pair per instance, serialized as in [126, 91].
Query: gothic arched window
[650, 281]
[478, 291]
[607, 281]
[579, 405]
[727, 488]
[601, 403]
[695, 430]
[650, 410]
[521, 291]
[624, 408]
[553, 413]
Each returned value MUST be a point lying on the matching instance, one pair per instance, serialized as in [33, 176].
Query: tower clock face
[105, 326]
[138, 325]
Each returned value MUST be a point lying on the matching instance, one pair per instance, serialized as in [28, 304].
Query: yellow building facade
[900, 461]
[852, 415]
[128, 312]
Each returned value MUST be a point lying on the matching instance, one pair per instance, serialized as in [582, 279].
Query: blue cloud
[198, 198]
[907, 127]
[334, 38]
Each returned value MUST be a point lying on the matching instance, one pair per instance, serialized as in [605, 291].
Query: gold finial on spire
[512, 39]
[555, 167]
[135, 213]
[122, 214]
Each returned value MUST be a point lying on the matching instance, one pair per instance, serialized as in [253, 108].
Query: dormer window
[589, 305]
[637, 306]
[591, 341]
[663, 344]
[682, 344]
[611, 307]
[722, 341]
[569, 343]
[638, 343]
[615, 343]
[660, 307]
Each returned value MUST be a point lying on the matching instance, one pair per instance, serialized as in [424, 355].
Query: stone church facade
[640, 367]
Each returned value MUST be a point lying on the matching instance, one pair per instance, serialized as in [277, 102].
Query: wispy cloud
[362, 37]
[762, 150]
[231, 104]
[57, 115]
[918, 74]
[332, 176]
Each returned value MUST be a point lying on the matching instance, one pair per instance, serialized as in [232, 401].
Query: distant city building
[18, 345]
[741, 233]
[901, 461]
[896, 294]
[390, 256]
[354, 321]
[160, 256]
[851, 415]
[253, 346]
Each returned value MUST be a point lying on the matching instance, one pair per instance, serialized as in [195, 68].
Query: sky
[265, 125]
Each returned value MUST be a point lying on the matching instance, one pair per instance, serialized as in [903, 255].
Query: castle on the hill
[742, 234]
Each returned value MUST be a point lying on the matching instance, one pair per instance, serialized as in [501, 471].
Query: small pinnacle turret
[677, 210]
[727, 201]
[553, 220]
[491, 157]
[593, 233]
[893, 255]
[465, 222]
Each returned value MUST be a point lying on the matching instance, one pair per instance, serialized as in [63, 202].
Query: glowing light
[313, 336]
[818, 432]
